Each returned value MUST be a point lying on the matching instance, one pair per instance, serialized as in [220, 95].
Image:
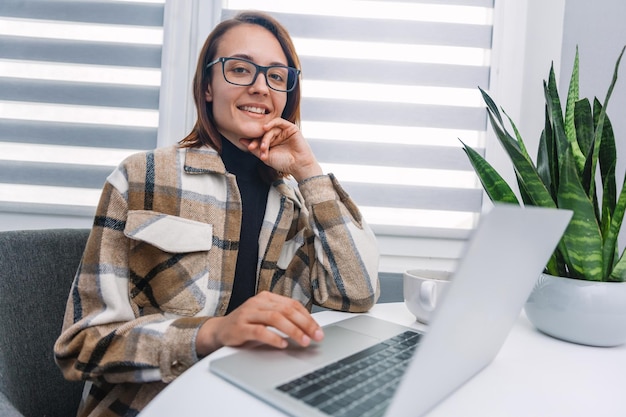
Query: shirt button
[178, 367]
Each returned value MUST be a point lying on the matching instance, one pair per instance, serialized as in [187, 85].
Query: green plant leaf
[582, 237]
[491, 106]
[583, 121]
[518, 137]
[619, 272]
[558, 125]
[499, 127]
[532, 189]
[527, 198]
[607, 158]
[547, 164]
[572, 98]
[610, 242]
[543, 165]
[600, 125]
[495, 186]
[585, 133]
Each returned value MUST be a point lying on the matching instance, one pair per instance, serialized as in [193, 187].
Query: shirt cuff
[318, 189]
[179, 352]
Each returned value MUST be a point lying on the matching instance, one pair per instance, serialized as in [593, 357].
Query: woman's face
[240, 112]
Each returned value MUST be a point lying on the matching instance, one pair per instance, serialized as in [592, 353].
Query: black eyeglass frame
[259, 69]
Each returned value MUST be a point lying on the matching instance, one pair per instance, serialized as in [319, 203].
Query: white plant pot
[584, 312]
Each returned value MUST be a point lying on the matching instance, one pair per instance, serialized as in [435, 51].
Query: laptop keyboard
[360, 385]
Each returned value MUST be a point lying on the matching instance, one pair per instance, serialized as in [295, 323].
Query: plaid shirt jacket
[161, 258]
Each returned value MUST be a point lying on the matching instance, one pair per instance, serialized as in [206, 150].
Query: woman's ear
[207, 95]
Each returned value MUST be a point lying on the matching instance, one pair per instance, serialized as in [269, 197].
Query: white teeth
[258, 110]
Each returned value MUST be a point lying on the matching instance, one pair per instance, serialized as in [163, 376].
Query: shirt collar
[203, 160]
[206, 160]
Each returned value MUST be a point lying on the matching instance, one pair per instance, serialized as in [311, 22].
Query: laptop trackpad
[338, 343]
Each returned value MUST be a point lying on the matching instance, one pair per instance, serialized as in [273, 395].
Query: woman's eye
[240, 70]
[276, 77]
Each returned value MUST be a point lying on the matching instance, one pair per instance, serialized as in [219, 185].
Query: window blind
[389, 88]
[79, 91]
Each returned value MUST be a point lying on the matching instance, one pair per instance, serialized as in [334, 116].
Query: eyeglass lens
[240, 72]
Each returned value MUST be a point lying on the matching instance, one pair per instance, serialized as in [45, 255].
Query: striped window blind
[388, 89]
[79, 90]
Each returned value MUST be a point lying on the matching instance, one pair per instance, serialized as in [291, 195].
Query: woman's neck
[238, 162]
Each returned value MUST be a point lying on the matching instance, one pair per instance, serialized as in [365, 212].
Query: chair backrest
[36, 272]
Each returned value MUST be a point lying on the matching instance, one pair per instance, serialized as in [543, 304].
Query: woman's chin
[252, 135]
[251, 130]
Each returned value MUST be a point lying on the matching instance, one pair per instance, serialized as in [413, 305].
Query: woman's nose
[260, 84]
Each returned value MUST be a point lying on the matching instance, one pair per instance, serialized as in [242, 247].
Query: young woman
[208, 243]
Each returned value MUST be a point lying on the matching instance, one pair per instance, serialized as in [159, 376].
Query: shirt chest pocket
[168, 262]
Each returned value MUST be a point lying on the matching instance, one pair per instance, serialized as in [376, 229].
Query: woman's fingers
[283, 148]
[289, 317]
[252, 319]
[278, 131]
[297, 326]
[261, 333]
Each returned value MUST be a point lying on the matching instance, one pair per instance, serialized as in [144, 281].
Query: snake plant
[574, 143]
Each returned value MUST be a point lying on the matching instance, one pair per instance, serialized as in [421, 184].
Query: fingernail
[318, 335]
[306, 340]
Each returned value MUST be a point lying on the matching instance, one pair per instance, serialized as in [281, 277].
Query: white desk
[533, 376]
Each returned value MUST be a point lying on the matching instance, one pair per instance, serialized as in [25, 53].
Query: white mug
[422, 290]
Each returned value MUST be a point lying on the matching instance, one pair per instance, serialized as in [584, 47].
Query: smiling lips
[252, 109]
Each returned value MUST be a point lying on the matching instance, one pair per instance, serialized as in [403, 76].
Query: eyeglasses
[239, 71]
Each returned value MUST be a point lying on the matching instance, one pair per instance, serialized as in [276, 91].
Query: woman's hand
[250, 322]
[283, 148]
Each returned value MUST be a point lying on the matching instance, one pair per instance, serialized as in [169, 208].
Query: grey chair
[36, 272]
[391, 287]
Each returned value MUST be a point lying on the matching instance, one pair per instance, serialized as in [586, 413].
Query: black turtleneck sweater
[253, 190]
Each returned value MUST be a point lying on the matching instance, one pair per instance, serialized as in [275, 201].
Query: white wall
[598, 28]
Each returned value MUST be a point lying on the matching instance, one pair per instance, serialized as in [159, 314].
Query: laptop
[502, 260]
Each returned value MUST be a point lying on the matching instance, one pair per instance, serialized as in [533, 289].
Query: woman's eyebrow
[249, 58]
[244, 56]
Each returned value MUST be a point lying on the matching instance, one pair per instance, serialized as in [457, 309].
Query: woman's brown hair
[205, 130]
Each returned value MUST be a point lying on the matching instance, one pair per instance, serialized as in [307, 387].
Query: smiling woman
[218, 239]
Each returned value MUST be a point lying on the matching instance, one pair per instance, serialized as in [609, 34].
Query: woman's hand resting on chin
[283, 148]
